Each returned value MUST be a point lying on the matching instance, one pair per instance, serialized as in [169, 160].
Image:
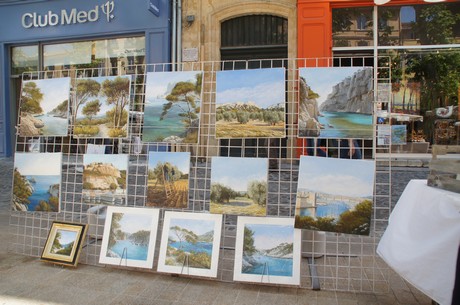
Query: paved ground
[26, 280]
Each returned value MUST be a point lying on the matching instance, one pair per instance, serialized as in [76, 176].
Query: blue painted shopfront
[25, 22]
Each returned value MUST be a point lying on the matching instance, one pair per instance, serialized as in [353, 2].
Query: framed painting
[190, 243]
[129, 237]
[104, 179]
[168, 184]
[44, 107]
[250, 103]
[64, 243]
[336, 102]
[267, 251]
[172, 107]
[398, 134]
[239, 186]
[101, 107]
[335, 195]
[37, 182]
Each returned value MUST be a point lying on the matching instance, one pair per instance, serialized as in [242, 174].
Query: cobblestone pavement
[26, 280]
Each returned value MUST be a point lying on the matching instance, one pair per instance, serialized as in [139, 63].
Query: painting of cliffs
[267, 251]
[104, 179]
[250, 103]
[44, 107]
[36, 182]
[336, 102]
[172, 107]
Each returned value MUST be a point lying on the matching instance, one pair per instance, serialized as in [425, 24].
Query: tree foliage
[115, 232]
[117, 93]
[86, 88]
[221, 193]
[257, 191]
[21, 188]
[91, 108]
[31, 98]
[248, 242]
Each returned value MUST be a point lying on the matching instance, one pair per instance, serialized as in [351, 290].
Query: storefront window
[24, 59]
[352, 27]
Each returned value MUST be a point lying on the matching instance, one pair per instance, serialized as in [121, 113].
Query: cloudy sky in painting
[55, 91]
[43, 164]
[179, 159]
[158, 82]
[265, 87]
[132, 223]
[267, 236]
[197, 226]
[354, 178]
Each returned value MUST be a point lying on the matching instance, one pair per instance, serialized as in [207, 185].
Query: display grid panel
[330, 261]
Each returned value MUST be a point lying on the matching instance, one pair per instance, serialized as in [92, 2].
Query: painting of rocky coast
[267, 250]
[172, 107]
[250, 103]
[129, 237]
[104, 179]
[36, 182]
[336, 102]
[44, 107]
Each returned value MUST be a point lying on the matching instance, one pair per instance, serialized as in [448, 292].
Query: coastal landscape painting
[250, 103]
[335, 195]
[168, 174]
[172, 107]
[190, 243]
[104, 179]
[129, 237]
[36, 182]
[64, 243]
[44, 107]
[267, 251]
[101, 107]
[239, 186]
[336, 102]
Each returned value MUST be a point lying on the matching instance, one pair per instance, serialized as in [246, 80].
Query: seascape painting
[37, 182]
[239, 186]
[190, 243]
[250, 103]
[101, 107]
[398, 134]
[104, 179]
[172, 107]
[44, 107]
[335, 195]
[168, 174]
[63, 242]
[267, 251]
[336, 102]
[129, 237]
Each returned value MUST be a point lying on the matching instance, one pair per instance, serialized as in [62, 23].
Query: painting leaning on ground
[36, 182]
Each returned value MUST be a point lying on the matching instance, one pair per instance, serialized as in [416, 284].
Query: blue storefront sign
[32, 22]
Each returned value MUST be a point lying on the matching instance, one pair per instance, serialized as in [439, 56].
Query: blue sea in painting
[54, 126]
[276, 266]
[333, 209]
[133, 252]
[190, 247]
[41, 185]
[346, 125]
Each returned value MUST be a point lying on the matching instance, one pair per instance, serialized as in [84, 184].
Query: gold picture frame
[64, 243]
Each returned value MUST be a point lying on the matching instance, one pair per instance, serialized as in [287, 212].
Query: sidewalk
[27, 280]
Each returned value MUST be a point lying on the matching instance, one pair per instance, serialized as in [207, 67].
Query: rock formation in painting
[309, 125]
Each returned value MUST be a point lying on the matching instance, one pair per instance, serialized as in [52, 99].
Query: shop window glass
[352, 26]
[24, 59]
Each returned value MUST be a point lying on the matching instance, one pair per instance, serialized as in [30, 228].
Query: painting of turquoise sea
[44, 107]
[267, 251]
[172, 107]
[129, 237]
[190, 243]
[335, 195]
[37, 182]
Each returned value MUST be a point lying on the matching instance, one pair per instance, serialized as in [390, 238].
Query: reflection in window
[361, 22]
[352, 26]
[24, 59]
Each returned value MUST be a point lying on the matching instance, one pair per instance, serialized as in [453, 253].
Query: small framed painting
[267, 251]
[64, 243]
[190, 243]
[129, 237]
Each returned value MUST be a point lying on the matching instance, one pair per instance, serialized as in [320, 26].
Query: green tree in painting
[183, 235]
[257, 191]
[91, 109]
[31, 98]
[115, 230]
[221, 193]
[248, 242]
[117, 93]
[165, 170]
[140, 237]
[356, 221]
[56, 242]
[86, 88]
[21, 188]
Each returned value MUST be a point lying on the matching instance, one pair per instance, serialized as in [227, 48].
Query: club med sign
[67, 17]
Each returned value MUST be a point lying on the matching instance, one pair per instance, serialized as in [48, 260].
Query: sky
[265, 87]
[321, 80]
[132, 223]
[55, 91]
[102, 99]
[119, 161]
[44, 164]
[197, 226]
[157, 82]
[67, 236]
[237, 172]
[179, 159]
[269, 236]
[354, 178]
